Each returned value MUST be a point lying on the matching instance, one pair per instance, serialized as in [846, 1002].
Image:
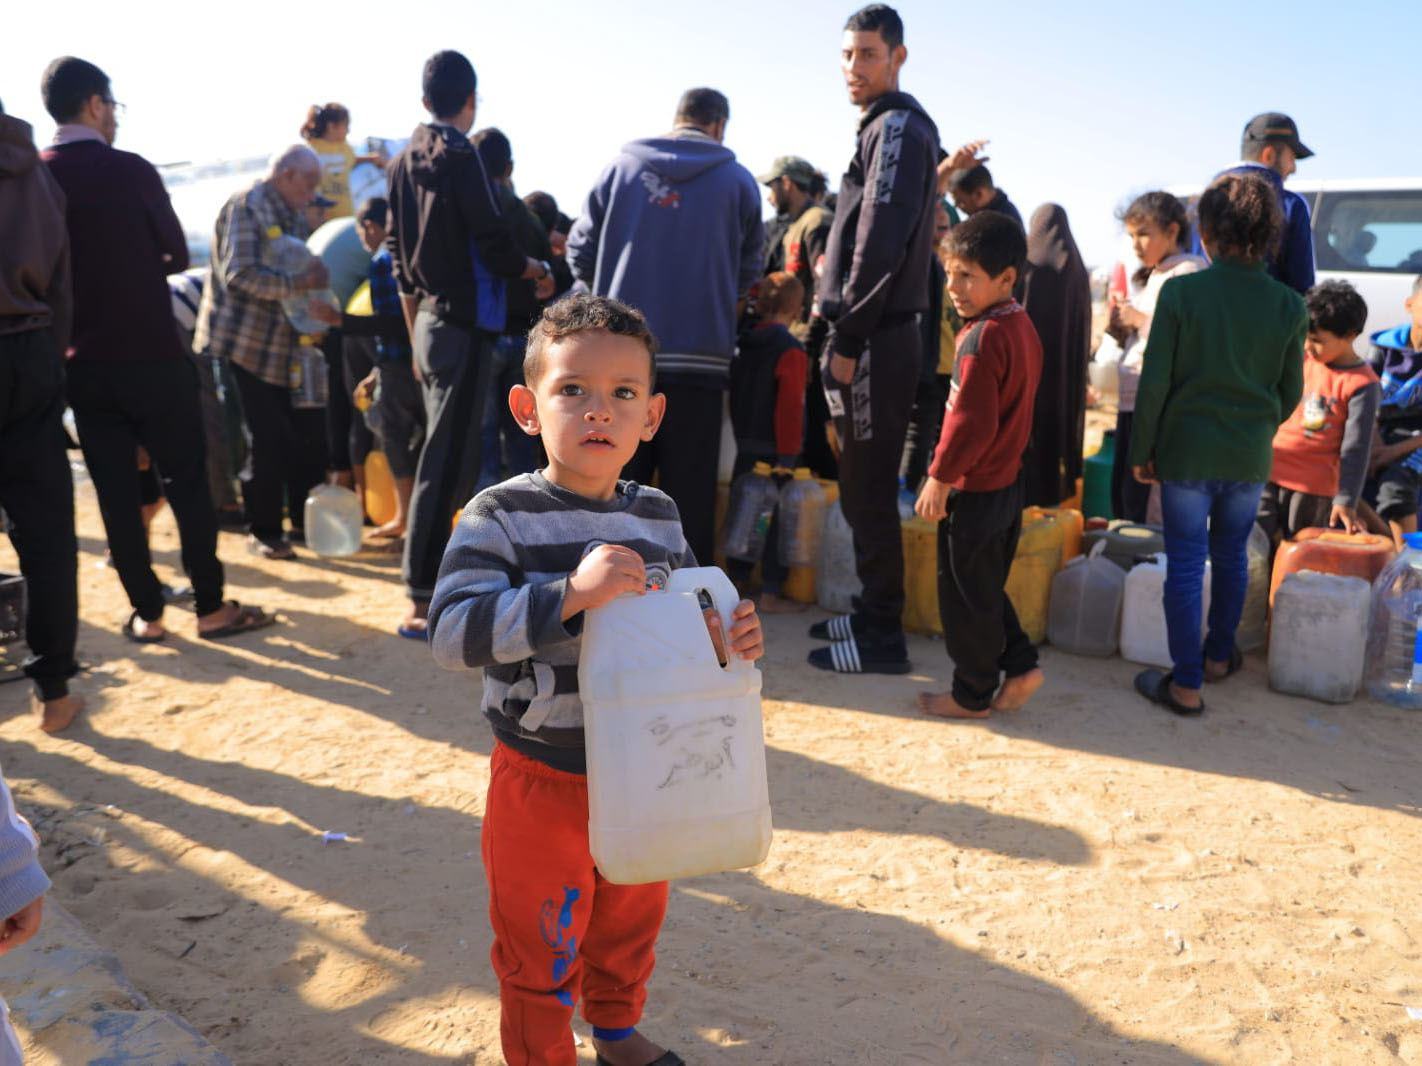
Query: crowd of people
[907, 333]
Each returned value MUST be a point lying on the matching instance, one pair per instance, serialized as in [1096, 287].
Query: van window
[1371, 231]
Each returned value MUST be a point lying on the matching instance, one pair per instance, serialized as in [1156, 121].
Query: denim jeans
[517, 454]
[1202, 518]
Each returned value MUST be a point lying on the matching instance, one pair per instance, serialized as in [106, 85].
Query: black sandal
[671, 1058]
[246, 620]
[132, 634]
[1154, 685]
[1236, 663]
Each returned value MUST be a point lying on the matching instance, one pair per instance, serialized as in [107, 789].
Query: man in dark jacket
[454, 254]
[872, 292]
[36, 490]
[673, 228]
[130, 383]
[507, 449]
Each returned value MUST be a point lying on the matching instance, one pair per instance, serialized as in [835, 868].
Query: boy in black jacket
[442, 206]
[874, 287]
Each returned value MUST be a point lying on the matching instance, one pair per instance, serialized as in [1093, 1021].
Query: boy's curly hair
[1337, 307]
[583, 314]
[1240, 217]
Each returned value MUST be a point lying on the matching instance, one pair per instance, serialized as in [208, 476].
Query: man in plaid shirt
[241, 320]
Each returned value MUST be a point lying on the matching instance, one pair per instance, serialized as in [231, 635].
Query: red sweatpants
[560, 930]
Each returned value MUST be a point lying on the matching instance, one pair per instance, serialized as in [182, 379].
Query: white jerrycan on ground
[675, 743]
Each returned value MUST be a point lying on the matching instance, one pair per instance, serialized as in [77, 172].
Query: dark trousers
[922, 438]
[118, 408]
[212, 387]
[976, 543]
[876, 408]
[1129, 498]
[37, 493]
[348, 439]
[685, 454]
[286, 454]
[356, 360]
[454, 364]
[508, 450]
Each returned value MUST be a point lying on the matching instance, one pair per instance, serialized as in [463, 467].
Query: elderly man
[673, 227]
[241, 321]
[130, 384]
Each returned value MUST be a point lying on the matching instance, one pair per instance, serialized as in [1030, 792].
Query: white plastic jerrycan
[1144, 638]
[675, 744]
[333, 518]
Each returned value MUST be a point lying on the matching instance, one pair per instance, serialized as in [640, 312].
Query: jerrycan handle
[723, 596]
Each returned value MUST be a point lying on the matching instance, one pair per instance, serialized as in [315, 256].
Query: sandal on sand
[1236, 663]
[132, 634]
[248, 619]
[671, 1058]
[413, 632]
[1154, 685]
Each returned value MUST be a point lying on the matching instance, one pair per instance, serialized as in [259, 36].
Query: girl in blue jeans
[1223, 368]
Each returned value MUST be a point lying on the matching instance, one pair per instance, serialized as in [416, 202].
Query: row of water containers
[1334, 609]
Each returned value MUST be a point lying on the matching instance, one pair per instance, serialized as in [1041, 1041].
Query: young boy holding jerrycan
[974, 486]
[528, 557]
[1321, 452]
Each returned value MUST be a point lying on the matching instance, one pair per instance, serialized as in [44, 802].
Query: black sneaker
[865, 654]
[840, 627]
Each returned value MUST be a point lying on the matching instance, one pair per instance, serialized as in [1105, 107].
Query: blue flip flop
[411, 633]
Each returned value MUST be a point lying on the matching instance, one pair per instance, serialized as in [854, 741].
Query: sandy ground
[1089, 881]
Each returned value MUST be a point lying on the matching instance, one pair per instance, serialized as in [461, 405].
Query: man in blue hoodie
[673, 228]
[1396, 355]
[873, 291]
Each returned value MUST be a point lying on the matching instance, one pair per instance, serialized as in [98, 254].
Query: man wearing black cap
[1271, 149]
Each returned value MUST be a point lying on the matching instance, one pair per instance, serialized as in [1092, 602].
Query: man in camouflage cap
[790, 180]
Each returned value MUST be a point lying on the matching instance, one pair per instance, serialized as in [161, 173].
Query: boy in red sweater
[974, 488]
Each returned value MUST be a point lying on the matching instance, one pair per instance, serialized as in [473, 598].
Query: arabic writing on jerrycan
[675, 743]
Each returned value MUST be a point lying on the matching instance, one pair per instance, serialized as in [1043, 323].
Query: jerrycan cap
[1413, 541]
[763, 469]
[802, 473]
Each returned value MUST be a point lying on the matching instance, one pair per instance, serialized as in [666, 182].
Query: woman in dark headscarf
[1056, 293]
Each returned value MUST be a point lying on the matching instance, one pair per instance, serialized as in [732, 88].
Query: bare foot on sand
[636, 1050]
[1016, 691]
[943, 705]
[56, 715]
[770, 603]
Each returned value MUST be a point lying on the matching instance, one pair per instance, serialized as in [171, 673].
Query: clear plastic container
[306, 376]
[836, 577]
[1144, 638]
[1084, 617]
[754, 496]
[289, 255]
[675, 742]
[333, 520]
[1394, 669]
[1318, 641]
[802, 519]
[1253, 632]
[12, 608]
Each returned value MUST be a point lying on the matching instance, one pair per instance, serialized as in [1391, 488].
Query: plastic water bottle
[754, 496]
[802, 519]
[333, 520]
[1394, 638]
[675, 741]
[289, 255]
[306, 375]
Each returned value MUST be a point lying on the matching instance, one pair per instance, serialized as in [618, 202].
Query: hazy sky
[1086, 104]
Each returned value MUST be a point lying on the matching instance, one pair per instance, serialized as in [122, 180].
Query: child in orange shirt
[1321, 452]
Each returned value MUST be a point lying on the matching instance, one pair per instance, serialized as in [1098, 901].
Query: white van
[1368, 232]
